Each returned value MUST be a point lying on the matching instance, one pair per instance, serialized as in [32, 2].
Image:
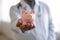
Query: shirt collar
[24, 4]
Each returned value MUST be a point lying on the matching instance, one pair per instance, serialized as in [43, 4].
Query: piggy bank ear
[24, 12]
[32, 11]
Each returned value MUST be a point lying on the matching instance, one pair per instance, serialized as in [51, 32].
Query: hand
[19, 23]
[24, 27]
[27, 27]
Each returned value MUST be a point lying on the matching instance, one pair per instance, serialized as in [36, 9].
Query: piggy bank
[27, 20]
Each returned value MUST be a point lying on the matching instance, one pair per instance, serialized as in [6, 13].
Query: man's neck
[31, 3]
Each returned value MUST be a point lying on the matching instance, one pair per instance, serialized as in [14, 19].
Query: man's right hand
[24, 27]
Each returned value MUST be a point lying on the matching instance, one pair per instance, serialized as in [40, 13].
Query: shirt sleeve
[51, 31]
[14, 16]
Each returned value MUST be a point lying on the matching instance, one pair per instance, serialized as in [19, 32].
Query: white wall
[53, 5]
[55, 11]
[6, 4]
[0, 9]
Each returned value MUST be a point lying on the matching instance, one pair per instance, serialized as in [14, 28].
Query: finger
[20, 20]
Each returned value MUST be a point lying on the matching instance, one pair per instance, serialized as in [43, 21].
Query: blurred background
[54, 6]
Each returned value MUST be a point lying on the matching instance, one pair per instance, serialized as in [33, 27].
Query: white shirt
[44, 29]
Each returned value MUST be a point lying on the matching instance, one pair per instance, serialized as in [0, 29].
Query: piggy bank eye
[25, 12]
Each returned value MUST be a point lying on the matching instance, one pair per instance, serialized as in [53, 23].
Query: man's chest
[38, 15]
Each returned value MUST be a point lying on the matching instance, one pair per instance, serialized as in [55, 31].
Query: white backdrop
[0, 10]
[53, 5]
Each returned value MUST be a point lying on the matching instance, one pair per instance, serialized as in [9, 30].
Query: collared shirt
[44, 29]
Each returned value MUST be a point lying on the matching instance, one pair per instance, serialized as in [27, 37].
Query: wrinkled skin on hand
[25, 27]
[26, 22]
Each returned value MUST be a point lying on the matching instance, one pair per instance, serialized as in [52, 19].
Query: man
[42, 28]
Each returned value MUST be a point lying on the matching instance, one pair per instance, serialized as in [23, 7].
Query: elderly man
[31, 20]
